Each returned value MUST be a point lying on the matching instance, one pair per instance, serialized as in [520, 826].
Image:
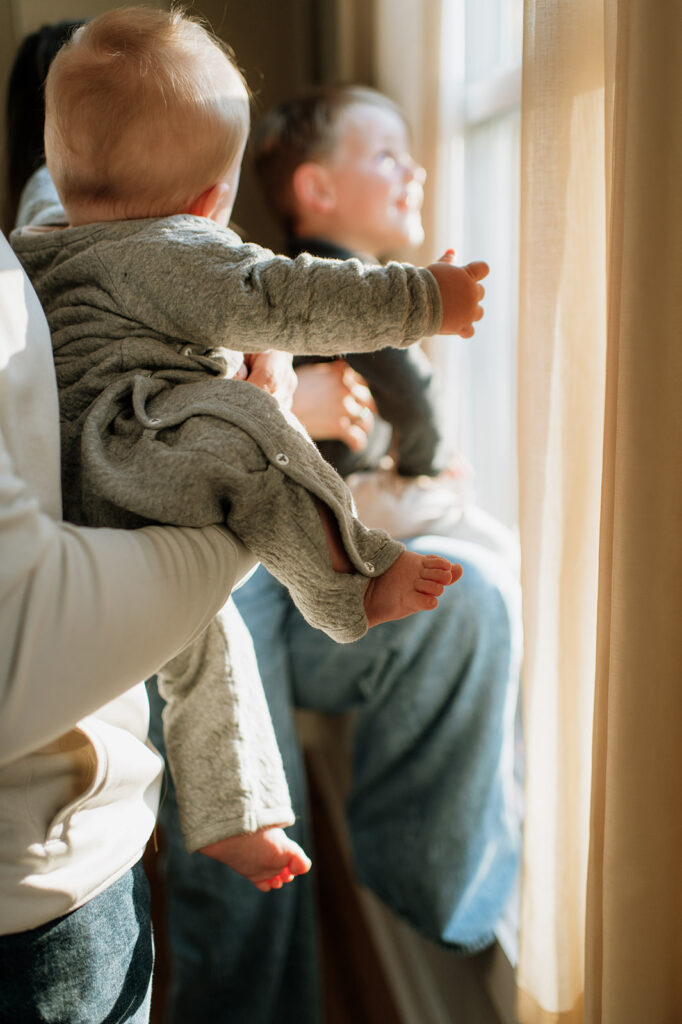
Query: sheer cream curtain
[634, 907]
[600, 370]
[562, 344]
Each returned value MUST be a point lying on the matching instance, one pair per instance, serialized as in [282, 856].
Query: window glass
[481, 168]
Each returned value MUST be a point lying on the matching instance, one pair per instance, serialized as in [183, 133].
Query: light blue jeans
[431, 813]
[92, 966]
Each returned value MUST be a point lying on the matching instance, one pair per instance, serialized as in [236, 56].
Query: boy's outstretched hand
[460, 293]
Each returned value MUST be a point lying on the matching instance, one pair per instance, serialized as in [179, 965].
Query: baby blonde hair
[145, 111]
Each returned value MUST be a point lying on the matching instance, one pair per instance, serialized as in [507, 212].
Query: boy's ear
[213, 202]
[313, 187]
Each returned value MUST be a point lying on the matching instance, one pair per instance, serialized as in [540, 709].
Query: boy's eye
[387, 160]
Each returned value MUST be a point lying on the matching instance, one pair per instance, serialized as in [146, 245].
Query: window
[481, 81]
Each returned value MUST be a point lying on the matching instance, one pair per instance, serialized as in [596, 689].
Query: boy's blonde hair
[145, 111]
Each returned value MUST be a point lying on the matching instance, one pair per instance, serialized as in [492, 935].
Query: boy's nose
[412, 170]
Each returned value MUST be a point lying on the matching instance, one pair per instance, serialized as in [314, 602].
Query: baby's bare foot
[268, 858]
[412, 584]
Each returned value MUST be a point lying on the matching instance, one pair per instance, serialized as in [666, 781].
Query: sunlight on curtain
[561, 388]
[578, 397]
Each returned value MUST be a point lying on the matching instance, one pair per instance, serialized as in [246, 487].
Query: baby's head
[146, 113]
[334, 163]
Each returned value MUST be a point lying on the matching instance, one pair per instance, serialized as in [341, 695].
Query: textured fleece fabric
[410, 422]
[148, 320]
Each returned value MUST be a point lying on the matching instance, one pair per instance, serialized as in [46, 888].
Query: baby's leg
[412, 584]
[268, 858]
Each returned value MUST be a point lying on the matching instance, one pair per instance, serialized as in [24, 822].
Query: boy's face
[377, 184]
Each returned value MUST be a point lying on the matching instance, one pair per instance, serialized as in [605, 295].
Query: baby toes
[440, 570]
[436, 562]
[429, 586]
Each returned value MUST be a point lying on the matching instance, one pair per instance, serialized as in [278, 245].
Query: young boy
[335, 167]
[336, 171]
[149, 297]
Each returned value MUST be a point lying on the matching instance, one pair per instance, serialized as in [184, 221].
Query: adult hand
[333, 403]
[272, 372]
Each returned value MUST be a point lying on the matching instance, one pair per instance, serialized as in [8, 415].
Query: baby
[151, 301]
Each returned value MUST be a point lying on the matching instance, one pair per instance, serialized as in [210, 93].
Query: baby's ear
[213, 203]
[313, 187]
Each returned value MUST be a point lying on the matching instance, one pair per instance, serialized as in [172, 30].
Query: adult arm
[85, 614]
[405, 393]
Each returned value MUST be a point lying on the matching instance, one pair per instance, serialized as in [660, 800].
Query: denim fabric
[92, 966]
[431, 813]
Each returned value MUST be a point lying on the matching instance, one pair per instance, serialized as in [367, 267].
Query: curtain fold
[634, 912]
[561, 388]
[600, 448]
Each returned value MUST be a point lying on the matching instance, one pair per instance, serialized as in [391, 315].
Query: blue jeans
[92, 966]
[430, 814]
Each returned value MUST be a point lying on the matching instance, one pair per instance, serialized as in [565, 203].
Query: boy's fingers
[478, 269]
[448, 256]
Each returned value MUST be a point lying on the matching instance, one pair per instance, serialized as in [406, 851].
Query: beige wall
[277, 45]
[282, 45]
[31, 14]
